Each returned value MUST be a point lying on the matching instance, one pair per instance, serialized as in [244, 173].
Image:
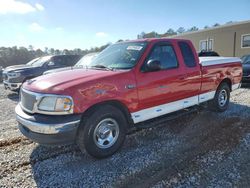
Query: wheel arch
[114, 103]
[227, 81]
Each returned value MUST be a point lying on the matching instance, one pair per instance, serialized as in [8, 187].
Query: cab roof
[156, 40]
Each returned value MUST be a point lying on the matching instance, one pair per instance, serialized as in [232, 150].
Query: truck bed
[207, 61]
[214, 69]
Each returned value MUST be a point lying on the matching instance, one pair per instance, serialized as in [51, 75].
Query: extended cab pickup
[127, 83]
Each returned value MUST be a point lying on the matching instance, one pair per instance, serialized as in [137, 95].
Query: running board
[156, 122]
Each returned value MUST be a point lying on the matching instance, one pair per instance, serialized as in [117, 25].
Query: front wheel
[221, 99]
[103, 132]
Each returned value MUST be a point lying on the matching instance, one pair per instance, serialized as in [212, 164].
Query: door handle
[183, 77]
[163, 86]
[130, 86]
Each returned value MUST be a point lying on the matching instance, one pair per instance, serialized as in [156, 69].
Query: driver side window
[54, 63]
[165, 55]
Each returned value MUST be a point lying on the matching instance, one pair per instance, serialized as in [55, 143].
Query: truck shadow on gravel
[14, 96]
[245, 85]
[148, 156]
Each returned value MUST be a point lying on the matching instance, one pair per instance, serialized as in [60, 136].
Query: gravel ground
[203, 149]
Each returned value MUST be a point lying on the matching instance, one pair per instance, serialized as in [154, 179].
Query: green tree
[57, 52]
[194, 28]
[31, 48]
[180, 30]
[216, 25]
[170, 32]
[51, 51]
[66, 52]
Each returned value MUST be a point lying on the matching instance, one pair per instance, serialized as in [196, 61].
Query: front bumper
[48, 129]
[11, 86]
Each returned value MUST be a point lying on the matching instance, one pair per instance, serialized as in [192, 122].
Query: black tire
[87, 139]
[218, 105]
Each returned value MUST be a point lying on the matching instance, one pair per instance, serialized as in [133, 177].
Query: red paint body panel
[90, 87]
[214, 74]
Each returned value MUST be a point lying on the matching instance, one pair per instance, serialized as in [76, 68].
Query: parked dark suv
[1, 73]
[208, 54]
[246, 68]
[14, 76]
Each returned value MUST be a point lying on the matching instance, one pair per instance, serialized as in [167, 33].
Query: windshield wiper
[102, 67]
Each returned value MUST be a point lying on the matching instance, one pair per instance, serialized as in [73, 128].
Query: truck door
[160, 92]
[192, 73]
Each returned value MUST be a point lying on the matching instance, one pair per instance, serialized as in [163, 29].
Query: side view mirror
[153, 65]
[51, 63]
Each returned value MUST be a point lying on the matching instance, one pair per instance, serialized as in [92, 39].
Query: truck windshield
[119, 56]
[32, 61]
[85, 60]
[40, 61]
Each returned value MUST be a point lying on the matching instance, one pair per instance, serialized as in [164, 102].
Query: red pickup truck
[127, 83]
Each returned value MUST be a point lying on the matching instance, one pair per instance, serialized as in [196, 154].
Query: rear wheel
[221, 99]
[103, 132]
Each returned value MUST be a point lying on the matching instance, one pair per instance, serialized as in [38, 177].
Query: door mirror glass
[153, 65]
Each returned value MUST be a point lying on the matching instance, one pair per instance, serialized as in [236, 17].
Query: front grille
[16, 80]
[27, 100]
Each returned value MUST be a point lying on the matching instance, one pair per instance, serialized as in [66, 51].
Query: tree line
[21, 55]
[171, 32]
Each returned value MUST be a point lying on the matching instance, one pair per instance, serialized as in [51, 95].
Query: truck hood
[60, 81]
[17, 68]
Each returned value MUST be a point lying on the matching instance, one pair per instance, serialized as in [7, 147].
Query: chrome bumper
[11, 86]
[47, 127]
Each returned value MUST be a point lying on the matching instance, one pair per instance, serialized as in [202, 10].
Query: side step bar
[156, 122]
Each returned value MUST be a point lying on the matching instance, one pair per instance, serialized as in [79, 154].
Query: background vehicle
[1, 73]
[208, 53]
[127, 83]
[82, 63]
[14, 76]
[246, 68]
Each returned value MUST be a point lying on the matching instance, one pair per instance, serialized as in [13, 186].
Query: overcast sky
[88, 23]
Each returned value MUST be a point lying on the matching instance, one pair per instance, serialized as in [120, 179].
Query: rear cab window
[57, 61]
[72, 60]
[64, 61]
[187, 54]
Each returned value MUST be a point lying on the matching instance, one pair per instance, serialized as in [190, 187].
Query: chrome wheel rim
[106, 133]
[222, 99]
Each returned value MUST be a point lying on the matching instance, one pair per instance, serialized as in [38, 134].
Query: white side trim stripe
[167, 108]
[206, 96]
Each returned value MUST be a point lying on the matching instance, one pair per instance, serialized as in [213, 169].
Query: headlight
[56, 104]
[14, 74]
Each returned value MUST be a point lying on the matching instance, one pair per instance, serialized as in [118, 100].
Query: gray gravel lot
[204, 149]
